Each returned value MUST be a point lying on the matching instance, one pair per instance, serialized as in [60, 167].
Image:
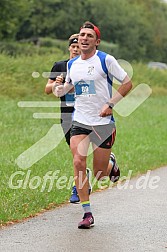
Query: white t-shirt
[92, 79]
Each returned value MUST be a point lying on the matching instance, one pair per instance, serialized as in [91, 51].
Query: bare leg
[79, 145]
[101, 164]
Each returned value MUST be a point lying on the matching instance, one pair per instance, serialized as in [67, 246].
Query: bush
[48, 45]
[109, 48]
[28, 49]
[55, 43]
[63, 45]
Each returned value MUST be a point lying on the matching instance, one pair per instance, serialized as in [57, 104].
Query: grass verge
[140, 143]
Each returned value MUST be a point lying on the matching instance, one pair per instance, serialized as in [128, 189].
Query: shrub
[28, 49]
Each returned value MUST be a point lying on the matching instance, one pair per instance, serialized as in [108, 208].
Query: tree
[139, 27]
[12, 14]
[55, 18]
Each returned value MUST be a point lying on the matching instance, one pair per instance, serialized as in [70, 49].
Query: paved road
[127, 219]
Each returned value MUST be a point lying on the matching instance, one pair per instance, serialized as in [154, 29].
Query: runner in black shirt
[58, 71]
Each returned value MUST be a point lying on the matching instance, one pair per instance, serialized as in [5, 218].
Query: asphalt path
[128, 217]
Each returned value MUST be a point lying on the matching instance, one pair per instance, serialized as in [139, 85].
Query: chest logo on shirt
[90, 70]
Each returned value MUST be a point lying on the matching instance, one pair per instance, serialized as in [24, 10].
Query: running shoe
[74, 196]
[115, 171]
[87, 221]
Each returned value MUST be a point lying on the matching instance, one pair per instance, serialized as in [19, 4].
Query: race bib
[85, 88]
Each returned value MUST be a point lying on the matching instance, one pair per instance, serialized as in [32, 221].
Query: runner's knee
[79, 164]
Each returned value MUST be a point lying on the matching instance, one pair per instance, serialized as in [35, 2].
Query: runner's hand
[105, 111]
[59, 79]
[58, 90]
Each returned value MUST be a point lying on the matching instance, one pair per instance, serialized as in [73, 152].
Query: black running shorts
[102, 135]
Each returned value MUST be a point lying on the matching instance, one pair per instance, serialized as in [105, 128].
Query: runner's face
[74, 50]
[87, 40]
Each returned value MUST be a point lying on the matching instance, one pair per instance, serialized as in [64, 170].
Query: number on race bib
[85, 89]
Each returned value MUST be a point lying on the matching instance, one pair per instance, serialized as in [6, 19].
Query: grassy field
[140, 144]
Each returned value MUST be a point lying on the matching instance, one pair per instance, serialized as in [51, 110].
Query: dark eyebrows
[83, 33]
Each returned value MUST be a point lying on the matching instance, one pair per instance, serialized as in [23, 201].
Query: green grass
[141, 138]
[140, 143]
[16, 75]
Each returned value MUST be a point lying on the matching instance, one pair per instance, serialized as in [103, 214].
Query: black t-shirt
[57, 69]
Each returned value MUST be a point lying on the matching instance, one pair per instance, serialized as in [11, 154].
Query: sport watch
[110, 104]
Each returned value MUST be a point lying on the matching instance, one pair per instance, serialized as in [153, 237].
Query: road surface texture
[129, 217]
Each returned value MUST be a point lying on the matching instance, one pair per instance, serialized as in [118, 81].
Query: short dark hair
[90, 25]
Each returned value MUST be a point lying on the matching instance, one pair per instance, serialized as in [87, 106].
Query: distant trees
[55, 18]
[12, 14]
[138, 27]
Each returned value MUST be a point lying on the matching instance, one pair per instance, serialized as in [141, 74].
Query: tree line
[138, 27]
